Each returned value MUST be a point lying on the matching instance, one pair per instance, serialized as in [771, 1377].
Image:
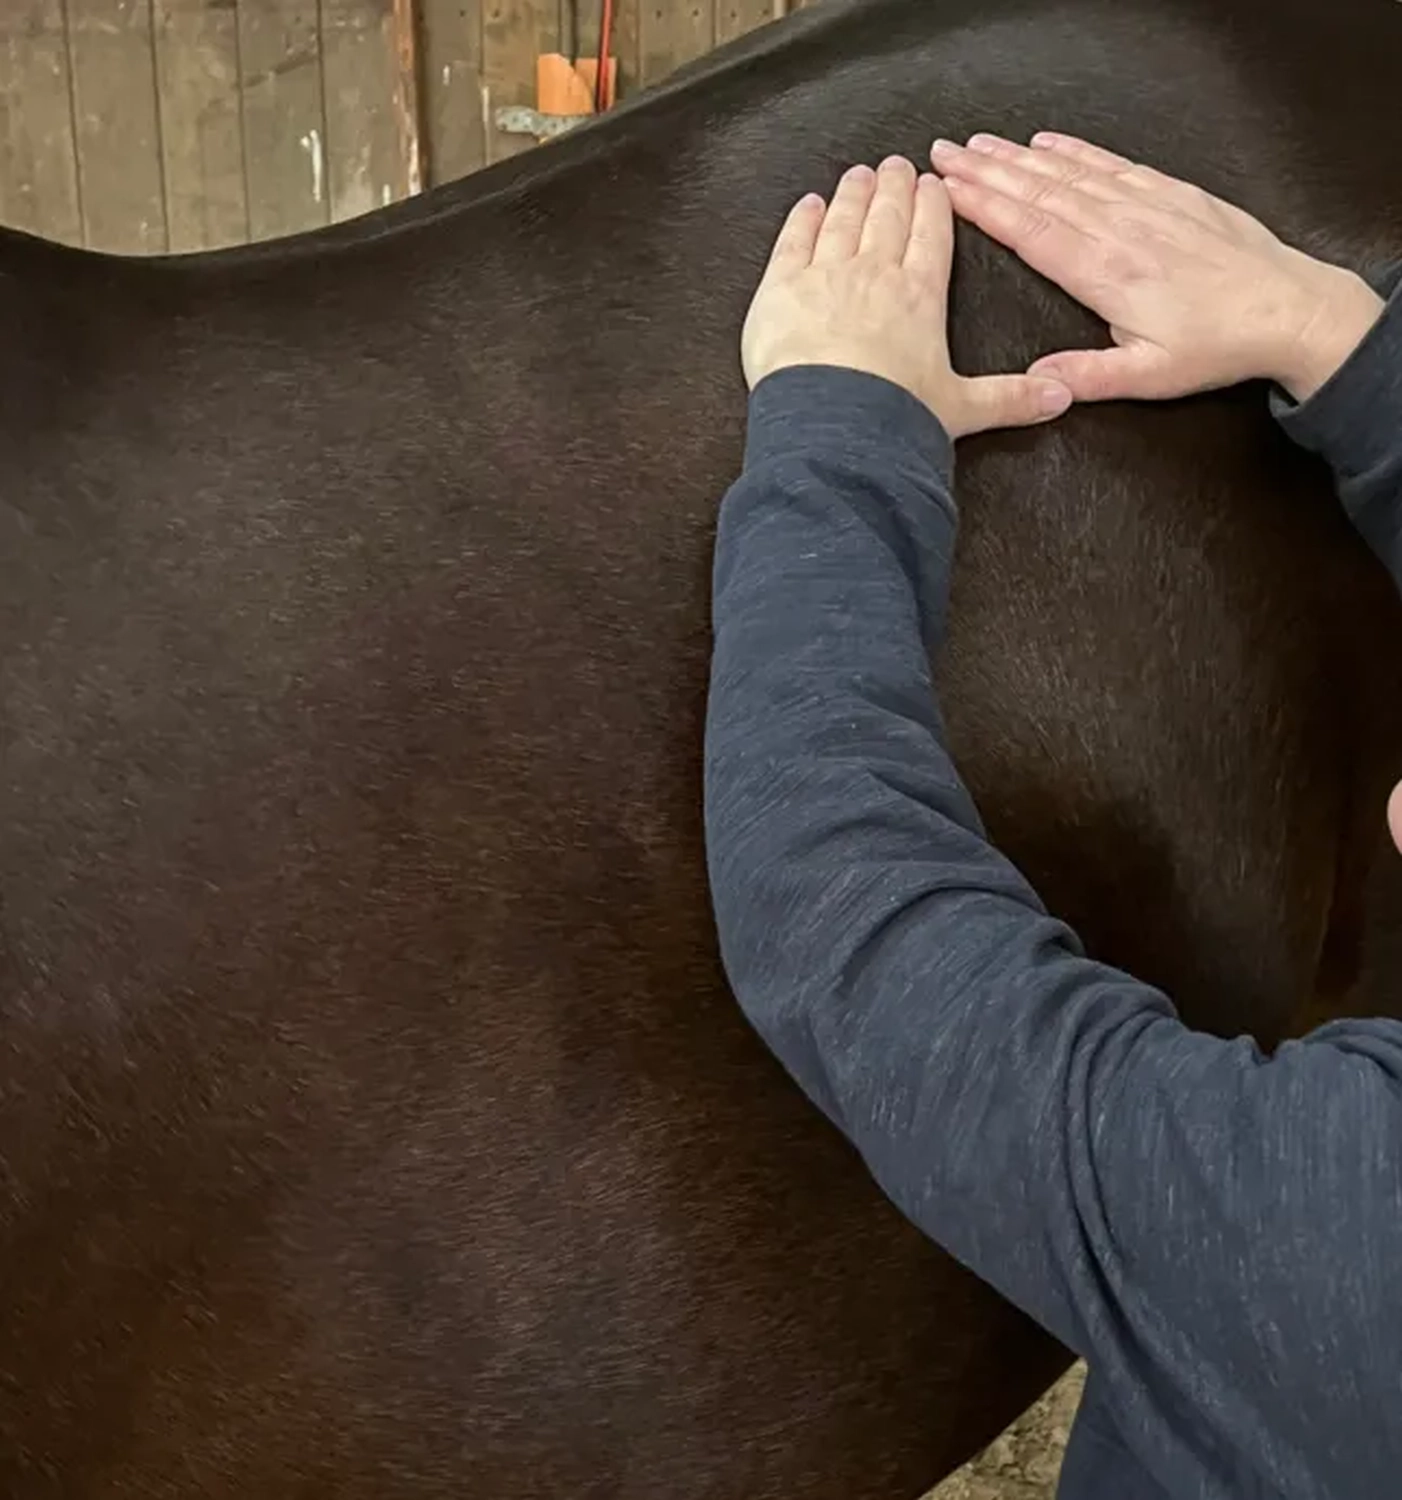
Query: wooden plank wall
[146, 126]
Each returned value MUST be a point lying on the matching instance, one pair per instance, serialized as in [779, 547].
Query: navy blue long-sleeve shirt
[1218, 1233]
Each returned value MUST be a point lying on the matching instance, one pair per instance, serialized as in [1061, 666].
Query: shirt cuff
[806, 410]
[1353, 419]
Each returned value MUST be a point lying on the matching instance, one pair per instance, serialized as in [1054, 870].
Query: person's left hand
[863, 282]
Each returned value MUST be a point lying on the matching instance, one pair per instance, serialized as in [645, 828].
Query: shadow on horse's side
[374, 1119]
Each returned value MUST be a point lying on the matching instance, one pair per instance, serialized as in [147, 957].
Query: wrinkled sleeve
[1218, 1231]
[1354, 422]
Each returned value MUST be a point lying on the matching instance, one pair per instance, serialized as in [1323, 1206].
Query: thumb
[1134, 372]
[991, 401]
[1394, 815]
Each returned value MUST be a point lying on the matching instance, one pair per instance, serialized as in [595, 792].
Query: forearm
[1354, 421]
[901, 968]
[1045, 1118]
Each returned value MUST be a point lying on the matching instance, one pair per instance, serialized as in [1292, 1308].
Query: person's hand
[1197, 293]
[863, 282]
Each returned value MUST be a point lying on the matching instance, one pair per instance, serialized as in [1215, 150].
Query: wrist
[1338, 310]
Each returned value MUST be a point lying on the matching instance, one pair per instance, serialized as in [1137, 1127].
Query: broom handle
[601, 90]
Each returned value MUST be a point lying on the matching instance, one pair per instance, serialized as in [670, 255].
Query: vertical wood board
[450, 33]
[674, 32]
[284, 121]
[736, 17]
[116, 126]
[366, 168]
[38, 162]
[197, 78]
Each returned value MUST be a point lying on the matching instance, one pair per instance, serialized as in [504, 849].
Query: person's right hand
[1197, 293]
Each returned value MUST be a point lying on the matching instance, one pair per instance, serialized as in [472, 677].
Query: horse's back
[376, 1119]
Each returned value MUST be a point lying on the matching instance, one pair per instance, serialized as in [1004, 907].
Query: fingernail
[859, 172]
[894, 164]
[1053, 399]
[984, 142]
[1043, 138]
[943, 148]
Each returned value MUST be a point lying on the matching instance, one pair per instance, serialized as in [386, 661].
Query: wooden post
[406, 93]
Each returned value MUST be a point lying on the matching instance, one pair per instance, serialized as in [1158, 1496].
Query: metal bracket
[518, 119]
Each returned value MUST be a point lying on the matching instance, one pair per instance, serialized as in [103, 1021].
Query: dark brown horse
[374, 1120]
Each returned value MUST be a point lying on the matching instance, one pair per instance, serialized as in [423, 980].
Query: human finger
[1085, 152]
[1137, 176]
[1014, 171]
[1148, 195]
[1058, 194]
[1063, 252]
[841, 230]
[1132, 372]
[988, 402]
[931, 240]
[1127, 182]
[887, 227]
[1055, 166]
[793, 246]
